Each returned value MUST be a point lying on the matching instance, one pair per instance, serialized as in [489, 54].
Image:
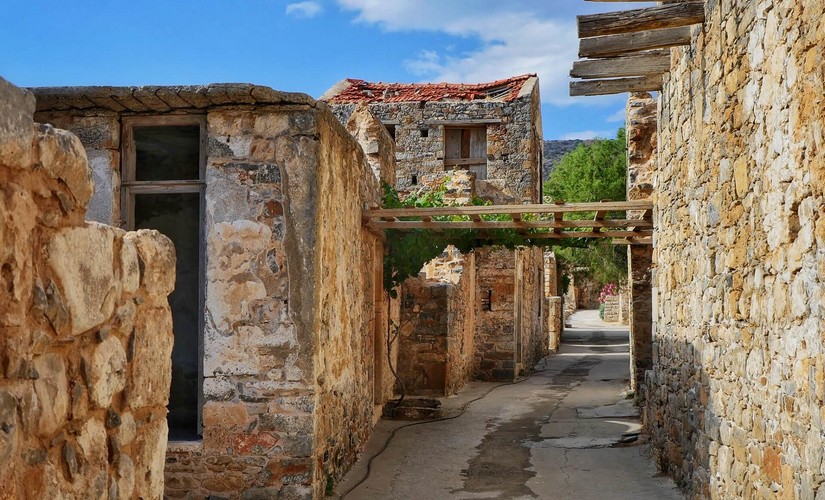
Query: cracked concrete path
[556, 435]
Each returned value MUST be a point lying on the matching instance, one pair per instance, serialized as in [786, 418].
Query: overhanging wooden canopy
[629, 48]
[541, 221]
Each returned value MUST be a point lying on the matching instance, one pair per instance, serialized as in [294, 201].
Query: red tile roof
[363, 91]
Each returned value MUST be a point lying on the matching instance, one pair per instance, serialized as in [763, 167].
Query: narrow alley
[565, 432]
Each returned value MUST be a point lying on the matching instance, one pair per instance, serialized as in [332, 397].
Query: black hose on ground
[424, 422]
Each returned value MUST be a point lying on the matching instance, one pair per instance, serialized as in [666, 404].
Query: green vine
[408, 251]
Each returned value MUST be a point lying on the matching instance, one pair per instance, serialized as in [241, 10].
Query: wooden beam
[596, 220]
[558, 217]
[616, 86]
[650, 18]
[546, 224]
[654, 62]
[539, 208]
[449, 162]
[616, 45]
[588, 234]
[639, 240]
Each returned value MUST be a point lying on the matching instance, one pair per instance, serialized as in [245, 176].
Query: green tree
[593, 172]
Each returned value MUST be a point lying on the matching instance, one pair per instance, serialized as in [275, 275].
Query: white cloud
[304, 10]
[514, 37]
[589, 134]
[618, 116]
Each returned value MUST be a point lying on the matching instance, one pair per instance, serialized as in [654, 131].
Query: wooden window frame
[464, 162]
[130, 187]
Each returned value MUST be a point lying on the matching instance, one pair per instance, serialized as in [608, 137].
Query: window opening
[466, 148]
[163, 190]
[390, 130]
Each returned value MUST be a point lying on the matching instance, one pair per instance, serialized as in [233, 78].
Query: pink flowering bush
[607, 291]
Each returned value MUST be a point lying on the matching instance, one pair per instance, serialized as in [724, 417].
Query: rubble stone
[61, 325]
[738, 317]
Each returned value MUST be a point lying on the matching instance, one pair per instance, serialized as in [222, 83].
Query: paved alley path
[552, 436]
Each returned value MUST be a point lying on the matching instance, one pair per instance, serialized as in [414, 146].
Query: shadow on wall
[680, 417]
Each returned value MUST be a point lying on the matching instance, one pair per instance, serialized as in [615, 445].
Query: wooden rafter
[670, 15]
[542, 221]
[627, 49]
[628, 43]
[654, 62]
[616, 85]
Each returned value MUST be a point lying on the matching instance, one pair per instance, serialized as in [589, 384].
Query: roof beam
[540, 208]
[628, 43]
[654, 62]
[638, 240]
[670, 15]
[616, 86]
[547, 224]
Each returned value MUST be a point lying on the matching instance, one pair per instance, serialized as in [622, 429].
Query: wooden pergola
[625, 222]
[628, 51]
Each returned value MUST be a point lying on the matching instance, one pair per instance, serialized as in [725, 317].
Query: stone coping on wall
[162, 99]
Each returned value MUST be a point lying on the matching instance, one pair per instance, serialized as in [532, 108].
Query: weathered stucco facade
[737, 391]
[292, 361]
[85, 327]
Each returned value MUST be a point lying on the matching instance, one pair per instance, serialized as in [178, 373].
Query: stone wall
[295, 315]
[735, 399]
[514, 139]
[99, 131]
[496, 343]
[642, 159]
[85, 327]
[436, 337]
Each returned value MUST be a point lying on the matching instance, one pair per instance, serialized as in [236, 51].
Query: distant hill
[555, 150]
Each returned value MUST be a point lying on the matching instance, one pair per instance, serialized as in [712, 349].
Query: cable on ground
[423, 422]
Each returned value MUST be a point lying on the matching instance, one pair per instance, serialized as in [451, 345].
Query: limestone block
[129, 266]
[149, 457]
[126, 430]
[92, 442]
[8, 425]
[107, 371]
[152, 362]
[61, 155]
[16, 125]
[17, 221]
[52, 393]
[157, 260]
[125, 477]
[81, 258]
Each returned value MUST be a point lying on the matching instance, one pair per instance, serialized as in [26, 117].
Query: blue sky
[306, 46]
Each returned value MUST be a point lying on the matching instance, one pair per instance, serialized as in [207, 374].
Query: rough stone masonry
[294, 316]
[736, 398]
[85, 327]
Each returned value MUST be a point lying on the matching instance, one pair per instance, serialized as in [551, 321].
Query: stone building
[279, 314]
[736, 390]
[85, 327]
[484, 140]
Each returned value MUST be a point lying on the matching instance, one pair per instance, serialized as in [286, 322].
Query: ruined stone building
[279, 314]
[85, 327]
[471, 316]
